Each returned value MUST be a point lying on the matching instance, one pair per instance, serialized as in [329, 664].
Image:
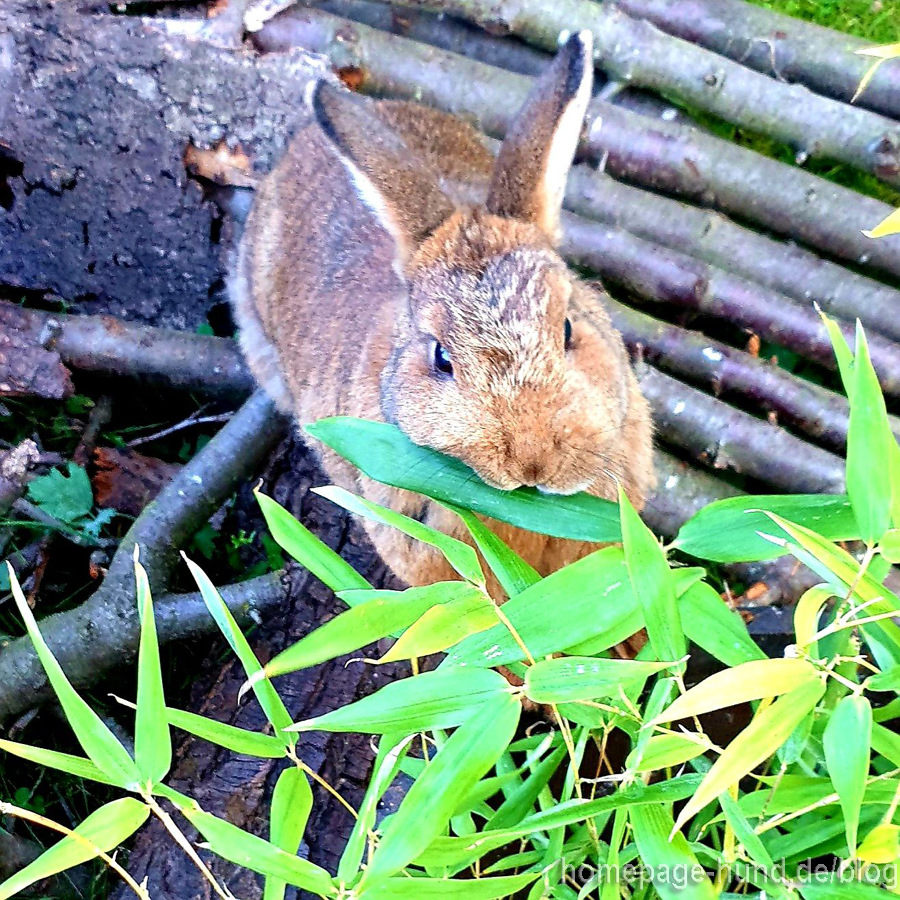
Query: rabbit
[392, 269]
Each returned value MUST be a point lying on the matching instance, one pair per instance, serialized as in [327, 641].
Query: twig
[638, 53]
[98, 418]
[653, 153]
[29, 510]
[189, 422]
[778, 45]
[102, 631]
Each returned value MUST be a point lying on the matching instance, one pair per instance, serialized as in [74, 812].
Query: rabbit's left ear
[530, 174]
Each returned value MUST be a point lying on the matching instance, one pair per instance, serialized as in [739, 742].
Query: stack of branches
[710, 248]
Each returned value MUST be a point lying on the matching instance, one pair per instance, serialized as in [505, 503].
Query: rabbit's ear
[402, 191]
[534, 160]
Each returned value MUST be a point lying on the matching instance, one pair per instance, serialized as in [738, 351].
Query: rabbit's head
[492, 360]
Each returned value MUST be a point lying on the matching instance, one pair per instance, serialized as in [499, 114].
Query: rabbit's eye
[568, 335]
[441, 358]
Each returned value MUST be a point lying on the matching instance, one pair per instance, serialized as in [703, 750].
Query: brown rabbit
[366, 285]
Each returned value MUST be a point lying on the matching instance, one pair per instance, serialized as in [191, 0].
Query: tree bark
[778, 45]
[662, 155]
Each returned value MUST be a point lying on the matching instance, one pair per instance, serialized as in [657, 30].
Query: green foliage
[494, 811]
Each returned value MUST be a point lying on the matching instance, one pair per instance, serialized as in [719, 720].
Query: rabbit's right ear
[401, 191]
[534, 159]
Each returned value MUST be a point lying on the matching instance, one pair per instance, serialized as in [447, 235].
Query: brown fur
[362, 250]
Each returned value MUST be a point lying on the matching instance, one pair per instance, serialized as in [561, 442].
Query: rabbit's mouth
[566, 490]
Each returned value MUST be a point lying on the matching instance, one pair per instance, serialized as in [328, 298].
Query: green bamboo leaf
[152, 741]
[97, 741]
[709, 623]
[881, 845]
[513, 573]
[807, 614]
[391, 751]
[440, 699]
[460, 556]
[463, 851]
[250, 743]
[385, 453]
[846, 742]
[749, 839]
[755, 680]
[300, 543]
[520, 799]
[843, 888]
[252, 852]
[444, 626]
[571, 678]
[664, 853]
[62, 762]
[440, 888]
[653, 584]
[373, 615]
[589, 597]
[664, 751]
[889, 680]
[266, 694]
[869, 440]
[842, 353]
[768, 730]
[727, 531]
[890, 545]
[291, 804]
[466, 757]
[100, 832]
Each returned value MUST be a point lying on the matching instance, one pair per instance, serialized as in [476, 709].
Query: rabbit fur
[389, 245]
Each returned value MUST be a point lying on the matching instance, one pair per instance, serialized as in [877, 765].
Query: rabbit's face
[490, 367]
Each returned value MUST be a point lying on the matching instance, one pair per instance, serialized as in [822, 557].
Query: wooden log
[666, 276]
[636, 52]
[707, 235]
[779, 45]
[665, 156]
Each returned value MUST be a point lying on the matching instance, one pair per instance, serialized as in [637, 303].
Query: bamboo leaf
[152, 741]
[460, 556]
[97, 741]
[846, 741]
[881, 845]
[709, 623]
[513, 573]
[868, 445]
[391, 751]
[100, 832]
[300, 543]
[441, 699]
[664, 853]
[589, 597]
[373, 615]
[444, 626]
[62, 762]
[664, 751]
[291, 804]
[728, 530]
[890, 546]
[265, 693]
[755, 680]
[252, 852]
[887, 226]
[807, 613]
[385, 453]
[842, 887]
[250, 743]
[653, 584]
[466, 757]
[571, 678]
[428, 888]
[768, 730]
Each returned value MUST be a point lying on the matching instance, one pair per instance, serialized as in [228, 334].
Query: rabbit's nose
[533, 472]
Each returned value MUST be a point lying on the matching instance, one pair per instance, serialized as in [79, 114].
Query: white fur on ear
[373, 199]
